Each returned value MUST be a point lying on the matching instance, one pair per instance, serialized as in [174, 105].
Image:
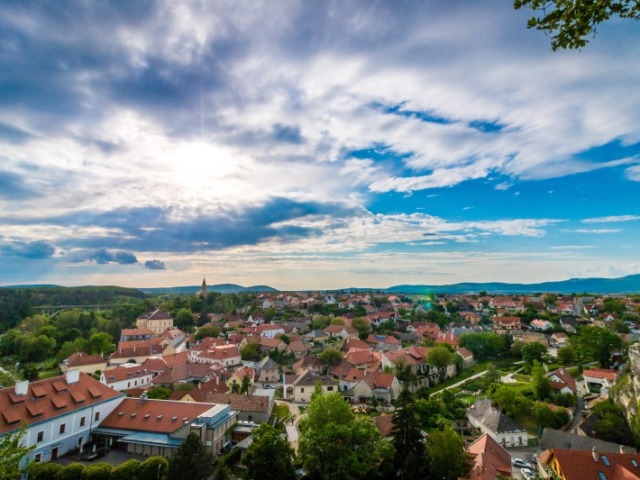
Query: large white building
[59, 413]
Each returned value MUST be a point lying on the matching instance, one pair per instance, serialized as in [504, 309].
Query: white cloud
[612, 219]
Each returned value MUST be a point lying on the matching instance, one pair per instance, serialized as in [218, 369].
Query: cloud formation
[197, 130]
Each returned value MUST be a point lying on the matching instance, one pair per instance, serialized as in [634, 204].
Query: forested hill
[17, 303]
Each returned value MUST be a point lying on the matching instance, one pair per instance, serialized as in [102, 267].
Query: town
[270, 385]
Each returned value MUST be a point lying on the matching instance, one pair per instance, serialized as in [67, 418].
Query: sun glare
[199, 163]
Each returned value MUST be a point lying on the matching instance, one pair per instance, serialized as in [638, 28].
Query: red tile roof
[601, 373]
[158, 416]
[46, 399]
[584, 465]
[489, 459]
[81, 358]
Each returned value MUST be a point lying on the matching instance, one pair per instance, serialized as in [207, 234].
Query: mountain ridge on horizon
[596, 285]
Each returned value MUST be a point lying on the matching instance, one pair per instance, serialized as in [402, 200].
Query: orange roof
[120, 373]
[81, 358]
[489, 459]
[159, 416]
[585, 465]
[600, 373]
[46, 399]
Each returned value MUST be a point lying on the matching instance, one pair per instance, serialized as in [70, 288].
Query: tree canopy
[570, 22]
[269, 456]
[191, 461]
[336, 444]
[12, 453]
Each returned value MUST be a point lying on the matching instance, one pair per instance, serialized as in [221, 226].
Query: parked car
[527, 473]
[520, 463]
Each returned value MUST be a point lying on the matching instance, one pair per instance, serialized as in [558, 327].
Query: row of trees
[335, 444]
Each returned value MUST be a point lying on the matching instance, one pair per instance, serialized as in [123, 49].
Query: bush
[99, 471]
[125, 471]
[148, 469]
[43, 471]
[73, 471]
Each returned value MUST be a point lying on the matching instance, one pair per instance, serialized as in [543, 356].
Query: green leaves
[570, 22]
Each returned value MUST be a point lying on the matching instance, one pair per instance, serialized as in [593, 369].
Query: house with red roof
[599, 379]
[158, 427]
[125, 377]
[341, 331]
[562, 381]
[59, 413]
[489, 460]
[222, 355]
[385, 343]
[502, 324]
[84, 362]
[384, 387]
[157, 321]
[589, 465]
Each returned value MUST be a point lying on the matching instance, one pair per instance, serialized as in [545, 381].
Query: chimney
[594, 453]
[22, 387]
[73, 376]
[622, 449]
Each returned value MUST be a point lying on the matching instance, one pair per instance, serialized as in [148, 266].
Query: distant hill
[628, 284]
[222, 288]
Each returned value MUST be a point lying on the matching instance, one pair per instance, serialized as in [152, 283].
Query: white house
[498, 426]
[59, 413]
[126, 377]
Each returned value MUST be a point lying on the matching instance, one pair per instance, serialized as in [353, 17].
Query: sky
[312, 145]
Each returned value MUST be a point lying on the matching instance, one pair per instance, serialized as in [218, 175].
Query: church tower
[203, 289]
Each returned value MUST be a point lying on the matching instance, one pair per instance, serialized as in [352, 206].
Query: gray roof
[569, 441]
[492, 418]
[267, 363]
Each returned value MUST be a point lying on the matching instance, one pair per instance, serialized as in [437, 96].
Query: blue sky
[311, 145]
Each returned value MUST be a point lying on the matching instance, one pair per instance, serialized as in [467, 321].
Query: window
[97, 416]
[40, 437]
[330, 389]
[605, 460]
[37, 458]
[634, 463]
[601, 476]
[83, 420]
[302, 390]
[63, 428]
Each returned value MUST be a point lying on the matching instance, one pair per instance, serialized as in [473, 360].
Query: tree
[152, 468]
[184, 318]
[12, 452]
[597, 343]
[126, 471]
[269, 456]
[362, 326]
[567, 355]
[159, 393]
[483, 345]
[335, 444]
[448, 459]
[440, 357]
[191, 461]
[100, 344]
[492, 376]
[330, 356]
[221, 472]
[212, 331]
[510, 401]
[250, 352]
[540, 381]
[246, 383]
[97, 471]
[534, 352]
[43, 471]
[410, 459]
[570, 22]
[319, 322]
[73, 471]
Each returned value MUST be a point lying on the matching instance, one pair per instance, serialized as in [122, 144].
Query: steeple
[203, 289]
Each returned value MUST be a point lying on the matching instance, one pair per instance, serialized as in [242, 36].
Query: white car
[518, 462]
[527, 473]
